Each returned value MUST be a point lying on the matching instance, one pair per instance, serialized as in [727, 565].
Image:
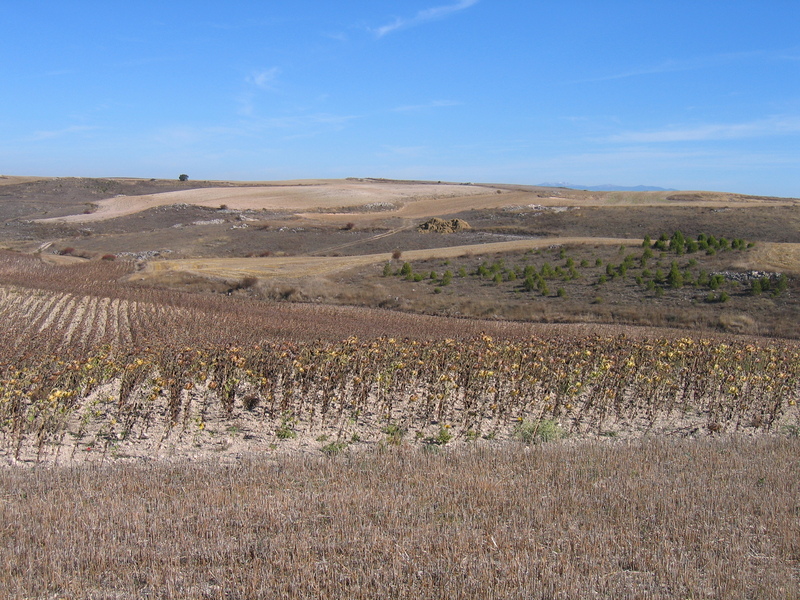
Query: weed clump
[538, 431]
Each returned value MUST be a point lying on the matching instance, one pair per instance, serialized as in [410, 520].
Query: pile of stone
[746, 276]
[146, 255]
[437, 225]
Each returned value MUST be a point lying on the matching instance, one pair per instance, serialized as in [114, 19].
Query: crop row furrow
[124, 322]
[43, 310]
[100, 319]
[57, 312]
[77, 319]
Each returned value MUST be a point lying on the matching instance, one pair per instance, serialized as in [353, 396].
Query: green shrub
[675, 277]
[441, 438]
[716, 281]
[782, 285]
[286, 430]
[529, 284]
[394, 434]
[537, 432]
[334, 448]
[714, 298]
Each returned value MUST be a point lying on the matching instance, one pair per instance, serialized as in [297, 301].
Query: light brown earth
[309, 199]
[309, 266]
[776, 257]
[15, 179]
[302, 196]
[369, 203]
[323, 241]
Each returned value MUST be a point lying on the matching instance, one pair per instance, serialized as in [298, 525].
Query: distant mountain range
[608, 187]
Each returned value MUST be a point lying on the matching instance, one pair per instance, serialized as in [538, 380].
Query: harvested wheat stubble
[658, 519]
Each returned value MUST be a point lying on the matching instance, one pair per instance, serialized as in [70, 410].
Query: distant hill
[608, 187]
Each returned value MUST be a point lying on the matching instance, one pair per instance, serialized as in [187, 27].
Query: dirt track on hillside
[336, 201]
[297, 197]
[17, 179]
[305, 266]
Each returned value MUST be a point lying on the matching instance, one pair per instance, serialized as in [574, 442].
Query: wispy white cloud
[676, 66]
[264, 78]
[59, 72]
[56, 133]
[423, 16]
[288, 126]
[791, 54]
[306, 125]
[337, 36]
[713, 131]
[246, 104]
[433, 104]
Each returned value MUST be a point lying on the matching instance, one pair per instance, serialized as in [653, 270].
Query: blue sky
[698, 94]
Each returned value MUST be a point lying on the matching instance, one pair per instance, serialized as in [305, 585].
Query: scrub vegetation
[549, 403]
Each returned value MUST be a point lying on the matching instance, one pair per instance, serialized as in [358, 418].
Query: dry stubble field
[480, 458]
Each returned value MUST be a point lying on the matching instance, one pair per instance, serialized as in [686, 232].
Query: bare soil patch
[297, 197]
[327, 241]
[768, 222]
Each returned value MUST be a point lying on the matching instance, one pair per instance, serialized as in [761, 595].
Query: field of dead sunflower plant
[172, 445]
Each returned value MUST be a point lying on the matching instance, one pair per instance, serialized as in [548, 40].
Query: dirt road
[305, 266]
[366, 201]
[298, 197]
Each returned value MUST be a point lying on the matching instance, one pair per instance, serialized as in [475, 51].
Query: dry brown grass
[782, 257]
[655, 519]
[296, 196]
[313, 266]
